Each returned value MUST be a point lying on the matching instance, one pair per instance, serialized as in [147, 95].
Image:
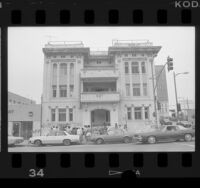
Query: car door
[170, 133]
[50, 138]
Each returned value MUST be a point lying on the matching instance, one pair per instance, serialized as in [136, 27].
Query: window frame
[138, 89]
[135, 68]
[129, 113]
[63, 92]
[138, 111]
[61, 113]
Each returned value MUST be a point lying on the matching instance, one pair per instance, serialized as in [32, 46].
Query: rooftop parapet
[64, 44]
[131, 43]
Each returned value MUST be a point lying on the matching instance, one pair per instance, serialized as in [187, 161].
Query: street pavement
[115, 147]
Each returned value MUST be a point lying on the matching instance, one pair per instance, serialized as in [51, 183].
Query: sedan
[12, 140]
[185, 124]
[114, 136]
[166, 133]
[59, 137]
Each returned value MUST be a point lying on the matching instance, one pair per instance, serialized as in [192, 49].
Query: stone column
[58, 77]
[141, 78]
[56, 111]
[67, 114]
[130, 77]
[143, 112]
[133, 112]
[68, 80]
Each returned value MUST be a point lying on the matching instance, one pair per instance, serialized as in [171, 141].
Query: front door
[100, 117]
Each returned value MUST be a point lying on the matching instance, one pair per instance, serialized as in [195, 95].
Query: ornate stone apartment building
[83, 87]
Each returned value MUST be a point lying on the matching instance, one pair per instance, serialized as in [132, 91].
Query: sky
[26, 59]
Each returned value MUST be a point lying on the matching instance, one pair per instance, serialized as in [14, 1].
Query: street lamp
[175, 75]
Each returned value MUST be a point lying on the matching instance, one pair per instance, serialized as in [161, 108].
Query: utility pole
[154, 95]
[41, 116]
[176, 94]
[187, 109]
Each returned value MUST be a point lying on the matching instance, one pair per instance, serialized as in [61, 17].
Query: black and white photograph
[101, 89]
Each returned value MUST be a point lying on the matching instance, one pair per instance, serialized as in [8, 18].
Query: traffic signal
[159, 105]
[178, 107]
[170, 63]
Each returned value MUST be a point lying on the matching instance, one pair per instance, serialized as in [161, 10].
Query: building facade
[82, 87]
[162, 91]
[24, 120]
[24, 116]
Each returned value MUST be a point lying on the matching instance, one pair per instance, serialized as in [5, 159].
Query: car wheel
[127, 139]
[38, 142]
[188, 137]
[66, 142]
[151, 140]
[99, 141]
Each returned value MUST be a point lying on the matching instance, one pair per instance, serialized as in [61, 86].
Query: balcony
[100, 97]
[99, 73]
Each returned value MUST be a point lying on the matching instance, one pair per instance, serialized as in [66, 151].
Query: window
[62, 114]
[145, 89]
[143, 67]
[63, 90]
[54, 90]
[60, 133]
[129, 113]
[138, 113]
[63, 69]
[126, 68]
[98, 62]
[54, 70]
[146, 112]
[71, 90]
[135, 67]
[127, 89]
[136, 89]
[71, 114]
[71, 70]
[53, 115]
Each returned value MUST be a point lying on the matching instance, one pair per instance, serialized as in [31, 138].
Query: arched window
[63, 69]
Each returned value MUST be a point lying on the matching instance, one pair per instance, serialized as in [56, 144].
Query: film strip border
[88, 13]
[100, 13]
[93, 165]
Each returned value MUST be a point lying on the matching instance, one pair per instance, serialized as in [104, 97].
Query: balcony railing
[99, 73]
[100, 97]
[131, 43]
[65, 44]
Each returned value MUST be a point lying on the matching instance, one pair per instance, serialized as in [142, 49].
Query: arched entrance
[100, 117]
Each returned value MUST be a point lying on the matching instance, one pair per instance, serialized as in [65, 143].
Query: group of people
[86, 131]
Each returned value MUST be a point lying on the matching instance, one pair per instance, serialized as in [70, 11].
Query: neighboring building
[162, 92]
[24, 116]
[95, 88]
[14, 99]
[24, 120]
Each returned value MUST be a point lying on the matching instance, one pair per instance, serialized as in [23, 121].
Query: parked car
[165, 121]
[185, 124]
[116, 136]
[12, 140]
[59, 137]
[166, 133]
